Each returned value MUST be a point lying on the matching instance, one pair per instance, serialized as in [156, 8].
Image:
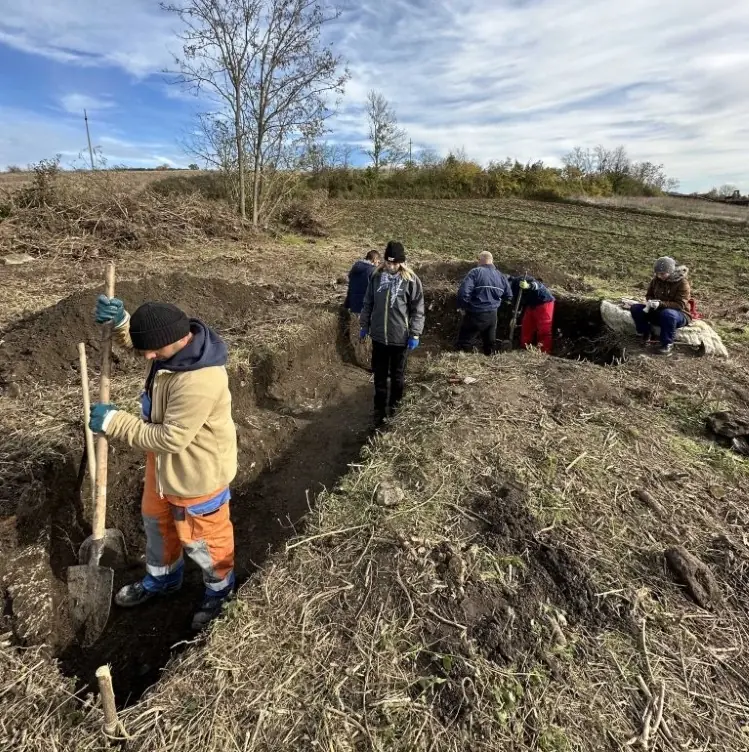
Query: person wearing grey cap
[667, 304]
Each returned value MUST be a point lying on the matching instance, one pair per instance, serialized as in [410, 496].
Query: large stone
[16, 259]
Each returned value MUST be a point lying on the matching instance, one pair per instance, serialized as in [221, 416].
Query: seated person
[667, 304]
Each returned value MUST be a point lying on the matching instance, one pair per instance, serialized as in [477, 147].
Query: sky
[527, 79]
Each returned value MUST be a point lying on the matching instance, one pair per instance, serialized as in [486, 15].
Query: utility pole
[410, 154]
[88, 136]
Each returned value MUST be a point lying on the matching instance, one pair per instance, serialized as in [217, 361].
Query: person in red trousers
[538, 306]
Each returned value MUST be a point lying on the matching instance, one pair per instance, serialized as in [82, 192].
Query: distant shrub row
[455, 178]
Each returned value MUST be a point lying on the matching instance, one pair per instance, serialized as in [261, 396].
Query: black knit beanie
[156, 325]
[395, 252]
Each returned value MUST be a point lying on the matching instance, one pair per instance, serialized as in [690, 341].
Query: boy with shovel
[187, 432]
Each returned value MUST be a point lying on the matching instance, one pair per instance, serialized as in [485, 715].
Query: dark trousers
[476, 325]
[668, 319]
[388, 362]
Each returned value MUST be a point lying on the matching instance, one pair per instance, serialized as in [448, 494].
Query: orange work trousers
[201, 527]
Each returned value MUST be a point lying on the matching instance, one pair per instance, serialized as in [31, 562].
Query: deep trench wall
[43, 518]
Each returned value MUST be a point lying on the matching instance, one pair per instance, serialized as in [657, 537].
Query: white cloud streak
[75, 103]
[23, 132]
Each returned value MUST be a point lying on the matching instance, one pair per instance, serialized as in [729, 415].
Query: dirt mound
[43, 347]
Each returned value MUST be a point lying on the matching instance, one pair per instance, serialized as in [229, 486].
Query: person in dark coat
[358, 279]
[480, 295]
[667, 304]
[393, 316]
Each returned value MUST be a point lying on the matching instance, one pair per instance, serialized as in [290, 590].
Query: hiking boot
[209, 609]
[136, 594]
[666, 351]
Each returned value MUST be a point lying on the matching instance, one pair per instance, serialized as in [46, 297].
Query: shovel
[90, 584]
[508, 343]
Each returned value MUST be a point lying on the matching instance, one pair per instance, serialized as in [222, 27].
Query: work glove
[100, 417]
[363, 334]
[413, 343]
[110, 311]
[525, 284]
[653, 305]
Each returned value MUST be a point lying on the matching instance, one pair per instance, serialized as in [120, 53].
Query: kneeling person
[187, 432]
[480, 295]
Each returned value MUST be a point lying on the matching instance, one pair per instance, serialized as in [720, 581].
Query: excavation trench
[316, 446]
[302, 411]
[578, 328]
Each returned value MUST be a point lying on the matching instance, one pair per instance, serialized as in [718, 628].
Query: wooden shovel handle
[102, 445]
[90, 455]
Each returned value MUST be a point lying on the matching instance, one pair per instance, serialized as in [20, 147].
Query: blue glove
[100, 417]
[413, 343]
[110, 311]
[363, 334]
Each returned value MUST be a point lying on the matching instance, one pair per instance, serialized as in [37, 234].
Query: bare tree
[219, 42]
[288, 87]
[727, 191]
[265, 65]
[580, 159]
[388, 140]
[428, 157]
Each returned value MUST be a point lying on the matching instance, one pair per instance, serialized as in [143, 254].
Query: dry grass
[422, 621]
[83, 216]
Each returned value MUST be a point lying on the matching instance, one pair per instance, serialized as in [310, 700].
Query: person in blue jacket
[358, 280]
[480, 295]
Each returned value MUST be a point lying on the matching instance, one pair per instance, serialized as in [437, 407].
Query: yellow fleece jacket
[191, 432]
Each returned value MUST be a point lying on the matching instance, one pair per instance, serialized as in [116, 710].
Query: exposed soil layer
[518, 609]
[43, 347]
[302, 413]
[579, 331]
[321, 442]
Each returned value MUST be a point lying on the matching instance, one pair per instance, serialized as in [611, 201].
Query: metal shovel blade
[90, 598]
[109, 551]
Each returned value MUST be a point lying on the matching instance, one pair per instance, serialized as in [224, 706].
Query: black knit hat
[156, 325]
[395, 252]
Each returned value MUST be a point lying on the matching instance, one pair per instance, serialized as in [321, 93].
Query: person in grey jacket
[393, 316]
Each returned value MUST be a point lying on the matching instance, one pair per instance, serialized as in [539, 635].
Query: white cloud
[23, 131]
[134, 35]
[75, 104]
[526, 79]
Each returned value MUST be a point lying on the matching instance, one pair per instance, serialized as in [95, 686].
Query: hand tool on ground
[90, 583]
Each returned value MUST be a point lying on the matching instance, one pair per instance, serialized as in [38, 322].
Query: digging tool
[90, 584]
[508, 344]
